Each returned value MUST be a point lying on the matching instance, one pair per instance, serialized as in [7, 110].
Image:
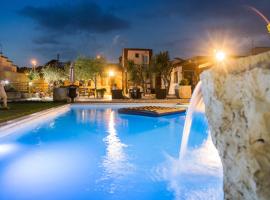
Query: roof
[137, 49]
[55, 63]
[258, 50]
[177, 61]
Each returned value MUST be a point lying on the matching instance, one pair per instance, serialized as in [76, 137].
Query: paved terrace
[145, 99]
[107, 99]
[176, 101]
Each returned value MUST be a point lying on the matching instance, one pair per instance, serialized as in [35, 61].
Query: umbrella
[71, 73]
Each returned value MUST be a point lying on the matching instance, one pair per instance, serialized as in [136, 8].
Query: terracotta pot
[183, 92]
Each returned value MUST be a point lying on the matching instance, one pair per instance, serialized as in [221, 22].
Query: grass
[19, 109]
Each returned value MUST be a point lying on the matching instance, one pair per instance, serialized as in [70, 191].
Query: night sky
[42, 29]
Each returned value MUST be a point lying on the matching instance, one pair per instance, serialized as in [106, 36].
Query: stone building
[8, 71]
[6, 64]
[139, 57]
[189, 69]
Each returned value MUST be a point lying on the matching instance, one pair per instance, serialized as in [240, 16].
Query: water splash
[196, 105]
[199, 178]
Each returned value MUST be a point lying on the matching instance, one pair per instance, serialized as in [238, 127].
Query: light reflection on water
[7, 149]
[99, 154]
[115, 163]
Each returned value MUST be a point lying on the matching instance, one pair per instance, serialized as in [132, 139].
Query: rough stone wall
[237, 104]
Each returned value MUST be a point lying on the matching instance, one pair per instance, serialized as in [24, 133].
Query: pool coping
[7, 126]
[4, 126]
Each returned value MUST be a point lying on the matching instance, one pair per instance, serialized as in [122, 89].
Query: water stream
[196, 105]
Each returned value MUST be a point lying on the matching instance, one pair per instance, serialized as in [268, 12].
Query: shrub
[101, 90]
[184, 82]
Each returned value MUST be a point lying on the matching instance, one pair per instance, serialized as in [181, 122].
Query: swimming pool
[92, 152]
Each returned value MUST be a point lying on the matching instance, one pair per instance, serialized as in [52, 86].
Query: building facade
[6, 64]
[8, 72]
[189, 69]
[176, 74]
[139, 57]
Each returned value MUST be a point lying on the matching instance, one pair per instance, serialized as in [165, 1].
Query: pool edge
[5, 126]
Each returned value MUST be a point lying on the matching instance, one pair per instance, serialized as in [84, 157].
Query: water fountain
[196, 105]
[237, 107]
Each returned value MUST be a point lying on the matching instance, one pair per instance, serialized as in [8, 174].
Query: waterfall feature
[238, 113]
[196, 105]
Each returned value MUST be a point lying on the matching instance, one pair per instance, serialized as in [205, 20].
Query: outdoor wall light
[111, 73]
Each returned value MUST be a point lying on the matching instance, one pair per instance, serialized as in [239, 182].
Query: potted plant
[101, 92]
[184, 90]
[161, 93]
[60, 93]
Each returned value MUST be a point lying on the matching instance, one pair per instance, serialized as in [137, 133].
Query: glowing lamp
[268, 28]
[220, 56]
[34, 62]
[111, 73]
[6, 82]
[30, 83]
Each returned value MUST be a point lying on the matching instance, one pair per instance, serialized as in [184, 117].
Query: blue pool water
[96, 153]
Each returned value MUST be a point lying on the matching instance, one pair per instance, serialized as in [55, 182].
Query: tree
[138, 73]
[52, 74]
[163, 68]
[33, 75]
[89, 68]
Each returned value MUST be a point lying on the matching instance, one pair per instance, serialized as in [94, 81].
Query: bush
[184, 82]
[10, 88]
[101, 90]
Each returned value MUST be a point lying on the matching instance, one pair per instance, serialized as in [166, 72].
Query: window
[145, 59]
[137, 55]
[175, 77]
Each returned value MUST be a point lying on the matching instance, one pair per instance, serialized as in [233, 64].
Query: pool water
[96, 153]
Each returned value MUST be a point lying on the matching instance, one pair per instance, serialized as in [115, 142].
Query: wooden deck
[152, 111]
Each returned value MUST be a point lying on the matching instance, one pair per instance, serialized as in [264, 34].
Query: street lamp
[34, 63]
[98, 56]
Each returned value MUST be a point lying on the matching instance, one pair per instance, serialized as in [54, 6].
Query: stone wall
[237, 101]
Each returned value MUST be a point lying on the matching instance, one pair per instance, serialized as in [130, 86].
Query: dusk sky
[42, 29]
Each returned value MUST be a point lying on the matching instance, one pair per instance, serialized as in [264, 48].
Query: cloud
[228, 14]
[47, 39]
[80, 17]
[49, 52]
[118, 40]
[205, 9]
